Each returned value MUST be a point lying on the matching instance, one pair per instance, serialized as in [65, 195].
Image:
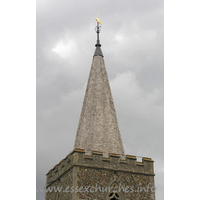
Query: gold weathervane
[97, 18]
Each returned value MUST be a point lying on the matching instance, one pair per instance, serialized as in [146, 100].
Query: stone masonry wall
[81, 170]
[56, 190]
[100, 180]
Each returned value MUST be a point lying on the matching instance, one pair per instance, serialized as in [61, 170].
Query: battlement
[116, 162]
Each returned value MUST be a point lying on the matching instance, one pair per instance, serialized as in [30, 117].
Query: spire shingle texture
[98, 128]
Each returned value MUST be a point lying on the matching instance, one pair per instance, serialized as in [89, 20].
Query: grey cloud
[132, 43]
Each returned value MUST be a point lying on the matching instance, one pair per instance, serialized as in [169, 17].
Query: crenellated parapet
[116, 162]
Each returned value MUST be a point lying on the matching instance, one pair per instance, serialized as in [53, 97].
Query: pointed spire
[98, 127]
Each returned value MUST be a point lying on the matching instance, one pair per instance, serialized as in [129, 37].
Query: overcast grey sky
[133, 47]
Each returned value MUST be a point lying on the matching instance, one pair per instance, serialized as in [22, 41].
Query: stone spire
[98, 127]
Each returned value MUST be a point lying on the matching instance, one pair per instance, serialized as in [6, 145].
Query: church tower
[97, 168]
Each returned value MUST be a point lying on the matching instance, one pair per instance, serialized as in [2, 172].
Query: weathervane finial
[98, 29]
[97, 18]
